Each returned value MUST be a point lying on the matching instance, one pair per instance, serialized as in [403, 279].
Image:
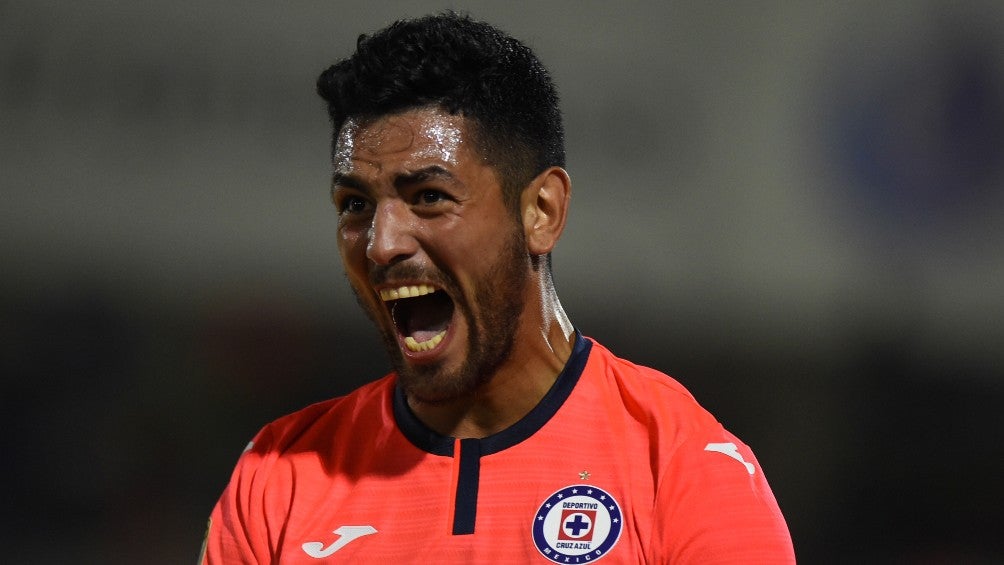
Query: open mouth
[421, 314]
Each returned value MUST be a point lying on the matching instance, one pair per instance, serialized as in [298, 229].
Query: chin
[432, 384]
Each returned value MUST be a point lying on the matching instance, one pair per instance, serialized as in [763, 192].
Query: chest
[563, 496]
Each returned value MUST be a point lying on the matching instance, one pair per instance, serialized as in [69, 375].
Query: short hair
[465, 67]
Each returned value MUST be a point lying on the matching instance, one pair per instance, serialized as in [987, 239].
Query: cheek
[352, 248]
[471, 256]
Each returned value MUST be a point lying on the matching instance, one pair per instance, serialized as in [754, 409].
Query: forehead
[425, 134]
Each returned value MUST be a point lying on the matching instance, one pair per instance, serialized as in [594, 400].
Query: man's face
[433, 254]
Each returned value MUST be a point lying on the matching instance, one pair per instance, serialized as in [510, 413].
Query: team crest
[577, 524]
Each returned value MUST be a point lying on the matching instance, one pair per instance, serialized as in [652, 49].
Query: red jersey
[617, 462]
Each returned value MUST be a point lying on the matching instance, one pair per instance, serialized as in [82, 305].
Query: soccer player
[503, 434]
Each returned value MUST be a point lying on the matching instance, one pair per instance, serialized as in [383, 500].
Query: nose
[391, 236]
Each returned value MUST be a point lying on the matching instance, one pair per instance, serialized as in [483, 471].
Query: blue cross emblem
[576, 524]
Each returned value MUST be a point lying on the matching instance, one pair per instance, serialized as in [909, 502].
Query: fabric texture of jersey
[618, 462]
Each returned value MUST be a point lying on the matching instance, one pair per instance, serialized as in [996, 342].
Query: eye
[429, 197]
[352, 204]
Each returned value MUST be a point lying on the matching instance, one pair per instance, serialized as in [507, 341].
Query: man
[503, 435]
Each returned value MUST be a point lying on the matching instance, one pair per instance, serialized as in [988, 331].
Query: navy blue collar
[428, 440]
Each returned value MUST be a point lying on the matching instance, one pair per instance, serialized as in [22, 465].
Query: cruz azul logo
[577, 524]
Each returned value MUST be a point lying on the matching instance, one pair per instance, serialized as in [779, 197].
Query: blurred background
[796, 209]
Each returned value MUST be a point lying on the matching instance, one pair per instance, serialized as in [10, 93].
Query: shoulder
[647, 392]
[300, 446]
[286, 456]
[631, 372]
[322, 421]
[714, 503]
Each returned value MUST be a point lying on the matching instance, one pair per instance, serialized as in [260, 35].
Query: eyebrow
[425, 174]
[347, 180]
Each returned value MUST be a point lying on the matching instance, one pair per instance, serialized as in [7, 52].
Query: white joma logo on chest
[346, 534]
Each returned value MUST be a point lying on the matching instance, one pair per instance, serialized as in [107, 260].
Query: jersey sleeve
[714, 506]
[238, 531]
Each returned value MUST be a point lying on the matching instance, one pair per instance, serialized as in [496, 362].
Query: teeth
[414, 345]
[412, 291]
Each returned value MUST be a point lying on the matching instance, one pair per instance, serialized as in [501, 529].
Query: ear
[544, 205]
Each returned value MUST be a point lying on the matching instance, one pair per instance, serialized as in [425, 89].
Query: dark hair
[465, 67]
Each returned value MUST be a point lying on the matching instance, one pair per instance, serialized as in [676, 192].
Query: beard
[492, 320]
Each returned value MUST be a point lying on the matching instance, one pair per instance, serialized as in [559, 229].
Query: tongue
[423, 317]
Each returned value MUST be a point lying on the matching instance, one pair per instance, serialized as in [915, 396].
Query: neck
[542, 347]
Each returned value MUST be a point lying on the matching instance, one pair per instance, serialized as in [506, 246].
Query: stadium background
[796, 209]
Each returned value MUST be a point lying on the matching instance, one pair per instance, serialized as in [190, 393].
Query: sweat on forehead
[426, 133]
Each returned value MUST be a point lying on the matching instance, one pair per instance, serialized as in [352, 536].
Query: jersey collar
[428, 440]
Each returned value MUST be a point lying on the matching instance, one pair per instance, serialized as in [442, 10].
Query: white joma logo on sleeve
[732, 451]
